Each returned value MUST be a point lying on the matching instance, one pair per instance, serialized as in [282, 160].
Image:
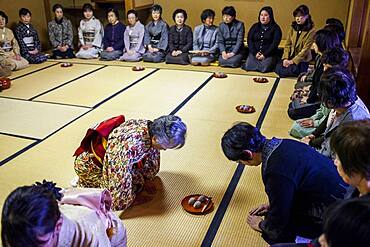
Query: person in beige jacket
[9, 49]
[297, 50]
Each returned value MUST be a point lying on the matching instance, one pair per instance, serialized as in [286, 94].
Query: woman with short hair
[133, 38]
[180, 39]
[156, 37]
[230, 39]
[337, 91]
[61, 34]
[205, 40]
[124, 157]
[10, 57]
[113, 40]
[90, 34]
[297, 50]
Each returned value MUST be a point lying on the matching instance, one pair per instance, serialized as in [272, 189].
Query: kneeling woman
[129, 160]
[39, 215]
[133, 37]
[263, 42]
[180, 39]
[9, 49]
[205, 39]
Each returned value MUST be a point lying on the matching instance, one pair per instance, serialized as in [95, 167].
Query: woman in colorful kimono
[90, 34]
[9, 49]
[205, 39]
[230, 39]
[263, 43]
[61, 34]
[113, 37]
[156, 37]
[180, 39]
[43, 215]
[297, 51]
[28, 38]
[124, 156]
[134, 36]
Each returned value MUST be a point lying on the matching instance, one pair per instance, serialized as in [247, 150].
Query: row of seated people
[156, 42]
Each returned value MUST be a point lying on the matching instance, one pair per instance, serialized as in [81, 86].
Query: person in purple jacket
[113, 43]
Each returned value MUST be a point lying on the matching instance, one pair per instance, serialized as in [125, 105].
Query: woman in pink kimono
[123, 156]
[133, 37]
[40, 215]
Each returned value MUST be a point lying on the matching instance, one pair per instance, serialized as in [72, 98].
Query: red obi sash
[95, 140]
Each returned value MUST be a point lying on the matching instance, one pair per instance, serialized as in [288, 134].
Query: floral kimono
[129, 161]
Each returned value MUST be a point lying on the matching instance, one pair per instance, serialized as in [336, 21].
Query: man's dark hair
[242, 136]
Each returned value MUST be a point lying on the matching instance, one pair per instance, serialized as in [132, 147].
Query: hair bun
[50, 186]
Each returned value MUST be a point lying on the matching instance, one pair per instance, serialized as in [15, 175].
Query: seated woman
[230, 39]
[156, 37]
[42, 215]
[297, 50]
[28, 38]
[113, 43]
[337, 26]
[336, 58]
[61, 34]
[337, 90]
[263, 43]
[129, 160]
[90, 34]
[205, 40]
[133, 37]
[180, 39]
[303, 107]
[9, 49]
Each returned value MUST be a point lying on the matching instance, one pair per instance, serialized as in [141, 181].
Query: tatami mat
[199, 167]
[44, 80]
[218, 99]
[248, 194]
[277, 122]
[250, 190]
[10, 145]
[31, 68]
[170, 66]
[164, 90]
[32, 119]
[205, 171]
[94, 88]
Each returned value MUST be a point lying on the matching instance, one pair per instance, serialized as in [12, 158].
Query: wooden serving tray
[205, 208]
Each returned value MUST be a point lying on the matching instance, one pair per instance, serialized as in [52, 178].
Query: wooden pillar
[363, 76]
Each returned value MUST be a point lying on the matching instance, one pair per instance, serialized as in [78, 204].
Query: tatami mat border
[37, 70]
[217, 219]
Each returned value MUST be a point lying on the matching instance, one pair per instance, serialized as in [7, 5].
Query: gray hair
[170, 131]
